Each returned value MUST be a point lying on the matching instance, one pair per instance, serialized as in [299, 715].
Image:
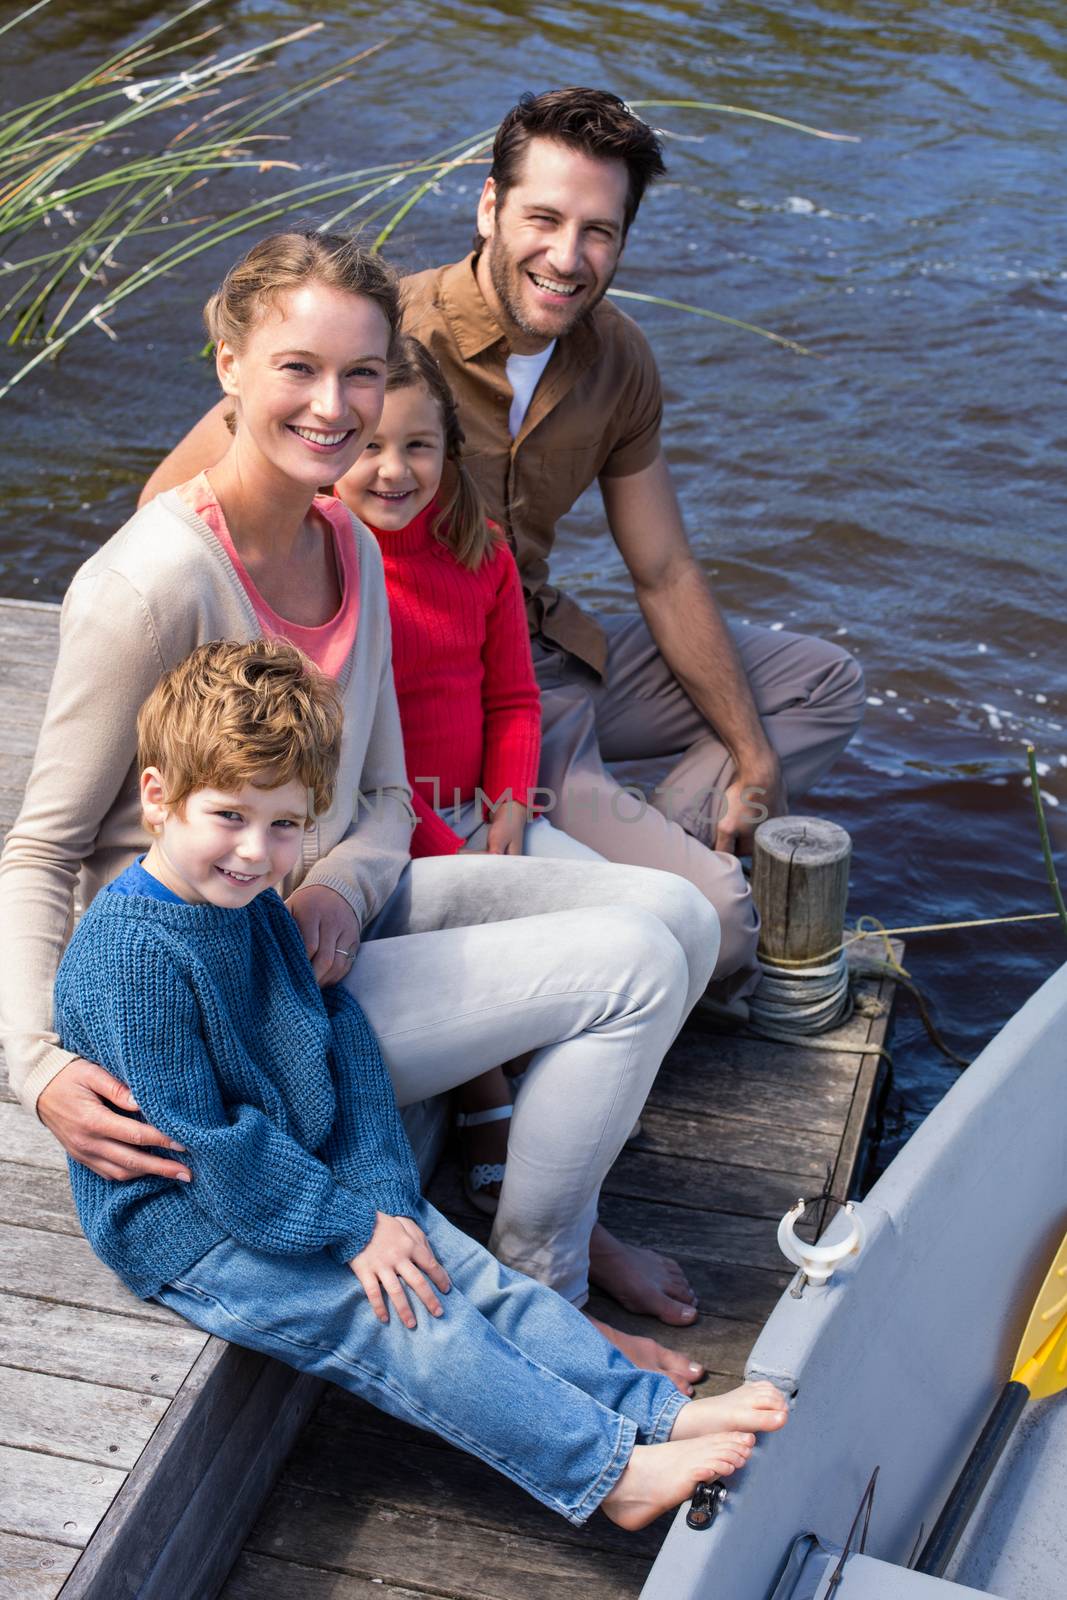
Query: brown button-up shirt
[595, 414]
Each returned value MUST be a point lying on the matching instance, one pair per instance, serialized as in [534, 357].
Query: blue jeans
[511, 1372]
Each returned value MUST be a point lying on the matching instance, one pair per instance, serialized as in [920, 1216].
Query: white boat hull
[897, 1361]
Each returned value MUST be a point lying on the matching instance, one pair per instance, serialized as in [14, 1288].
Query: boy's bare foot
[640, 1280]
[653, 1357]
[659, 1477]
[757, 1406]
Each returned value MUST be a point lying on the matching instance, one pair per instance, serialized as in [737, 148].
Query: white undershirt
[523, 373]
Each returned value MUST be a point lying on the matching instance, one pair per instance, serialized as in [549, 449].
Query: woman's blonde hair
[231, 714]
[461, 524]
[285, 261]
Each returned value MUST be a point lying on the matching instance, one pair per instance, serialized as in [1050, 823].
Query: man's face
[553, 243]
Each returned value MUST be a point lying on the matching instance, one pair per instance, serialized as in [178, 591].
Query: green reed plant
[60, 175]
[66, 172]
[1043, 834]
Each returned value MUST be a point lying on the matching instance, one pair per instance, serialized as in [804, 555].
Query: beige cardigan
[162, 585]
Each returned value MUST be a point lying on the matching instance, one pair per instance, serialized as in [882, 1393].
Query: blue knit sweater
[278, 1092]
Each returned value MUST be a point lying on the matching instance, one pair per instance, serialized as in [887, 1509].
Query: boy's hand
[399, 1254]
[329, 929]
[75, 1107]
[507, 829]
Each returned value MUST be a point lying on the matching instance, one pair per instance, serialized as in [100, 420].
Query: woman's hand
[75, 1107]
[329, 929]
[398, 1254]
[507, 829]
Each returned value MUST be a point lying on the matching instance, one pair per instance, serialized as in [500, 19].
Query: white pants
[593, 967]
[539, 839]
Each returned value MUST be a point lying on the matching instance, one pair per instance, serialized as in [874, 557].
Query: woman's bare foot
[659, 1477]
[758, 1406]
[653, 1357]
[640, 1280]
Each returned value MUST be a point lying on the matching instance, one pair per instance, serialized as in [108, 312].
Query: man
[556, 389]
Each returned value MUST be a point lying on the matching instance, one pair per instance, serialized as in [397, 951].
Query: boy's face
[227, 848]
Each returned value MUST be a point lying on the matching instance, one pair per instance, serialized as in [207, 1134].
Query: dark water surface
[902, 489]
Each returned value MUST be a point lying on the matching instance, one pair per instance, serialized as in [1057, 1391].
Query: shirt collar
[474, 328]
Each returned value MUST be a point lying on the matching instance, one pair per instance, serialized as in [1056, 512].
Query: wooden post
[800, 886]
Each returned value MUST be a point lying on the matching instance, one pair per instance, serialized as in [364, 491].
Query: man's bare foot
[659, 1477]
[758, 1406]
[653, 1357]
[640, 1280]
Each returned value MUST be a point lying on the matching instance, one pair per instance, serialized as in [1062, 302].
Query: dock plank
[711, 1185]
[69, 1417]
[33, 1569]
[25, 1140]
[255, 1576]
[71, 1342]
[50, 1497]
[53, 1267]
[35, 1197]
[696, 1136]
[426, 1550]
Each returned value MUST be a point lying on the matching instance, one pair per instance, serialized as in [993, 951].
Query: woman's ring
[339, 952]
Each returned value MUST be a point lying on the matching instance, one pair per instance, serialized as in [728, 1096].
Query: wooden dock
[137, 1453]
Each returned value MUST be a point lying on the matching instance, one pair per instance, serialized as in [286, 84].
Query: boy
[302, 1224]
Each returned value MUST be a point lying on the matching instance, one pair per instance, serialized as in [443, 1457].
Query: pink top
[330, 645]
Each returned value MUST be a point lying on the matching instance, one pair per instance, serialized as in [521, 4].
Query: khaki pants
[809, 695]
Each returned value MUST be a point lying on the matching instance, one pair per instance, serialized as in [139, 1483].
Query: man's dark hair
[593, 121]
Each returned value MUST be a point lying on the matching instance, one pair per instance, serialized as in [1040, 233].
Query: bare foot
[641, 1280]
[659, 1477]
[653, 1357]
[759, 1406]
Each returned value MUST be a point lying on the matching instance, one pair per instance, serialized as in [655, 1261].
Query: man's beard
[506, 279]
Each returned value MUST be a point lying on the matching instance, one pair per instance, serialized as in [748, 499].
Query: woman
[303, 327]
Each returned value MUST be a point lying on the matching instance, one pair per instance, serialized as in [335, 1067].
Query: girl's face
[309, 383]
[399, 470]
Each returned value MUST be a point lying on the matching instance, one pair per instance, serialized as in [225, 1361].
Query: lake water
[902, 488]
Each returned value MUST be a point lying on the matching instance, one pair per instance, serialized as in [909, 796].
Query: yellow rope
[865, 926]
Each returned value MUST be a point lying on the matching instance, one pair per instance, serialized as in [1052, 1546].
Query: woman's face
[309, 383]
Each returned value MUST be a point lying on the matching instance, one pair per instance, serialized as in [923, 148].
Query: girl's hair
[285, 261]
[461, 524]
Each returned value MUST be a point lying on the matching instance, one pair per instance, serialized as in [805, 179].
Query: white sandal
[483, 1173]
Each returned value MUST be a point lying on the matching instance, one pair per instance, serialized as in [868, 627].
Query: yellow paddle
[1040, 1370]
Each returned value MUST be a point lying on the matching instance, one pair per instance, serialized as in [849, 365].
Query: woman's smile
[319, 439]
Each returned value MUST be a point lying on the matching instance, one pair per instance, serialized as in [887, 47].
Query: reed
[1046, 842]
[60, 175]
[118, 159]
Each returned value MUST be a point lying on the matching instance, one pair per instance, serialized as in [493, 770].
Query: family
[366, 739]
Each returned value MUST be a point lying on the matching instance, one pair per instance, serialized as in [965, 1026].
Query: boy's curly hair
[231, 714]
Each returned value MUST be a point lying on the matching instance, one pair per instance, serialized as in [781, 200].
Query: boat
[895, 1363]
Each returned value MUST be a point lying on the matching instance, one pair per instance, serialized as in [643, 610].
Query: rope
[809, 1003]
[867, 925]
[790, 1005]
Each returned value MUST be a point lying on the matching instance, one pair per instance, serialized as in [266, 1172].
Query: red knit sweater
[470, 708]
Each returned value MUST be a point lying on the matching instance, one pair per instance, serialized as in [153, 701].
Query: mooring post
[800, 886]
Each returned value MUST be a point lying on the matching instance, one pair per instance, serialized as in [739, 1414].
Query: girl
[303, 327]
[469, 703]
